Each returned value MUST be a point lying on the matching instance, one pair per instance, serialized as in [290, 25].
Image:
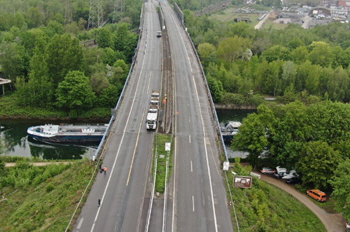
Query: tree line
[242, 64]
[48, 63]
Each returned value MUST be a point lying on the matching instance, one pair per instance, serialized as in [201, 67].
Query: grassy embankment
[9, 109]
[230, 13]
[41, 198]
[161, 162]
[268, 208]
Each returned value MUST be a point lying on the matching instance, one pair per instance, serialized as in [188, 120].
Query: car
[159, 34]
[317, 195]
[267, 170]
[293, 181]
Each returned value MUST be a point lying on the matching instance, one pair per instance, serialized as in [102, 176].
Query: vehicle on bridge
[152, 115]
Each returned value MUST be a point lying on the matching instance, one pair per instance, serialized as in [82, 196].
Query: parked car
[293, 181]
[290, 174]
[267, 170]
[317, 195]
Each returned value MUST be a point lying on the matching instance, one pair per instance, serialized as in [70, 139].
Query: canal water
[14, 140]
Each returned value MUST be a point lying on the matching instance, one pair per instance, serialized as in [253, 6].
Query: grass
[229, 14]
[161, 162]
[10, 109]
[267, 208]
[44, 204]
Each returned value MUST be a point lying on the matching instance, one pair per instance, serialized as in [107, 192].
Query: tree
[276, 52]
[317, 163]
[232, 48]
[206, 52]
[290, 132]
[253, 134]
[65, 54]
[12, 60]
[98, 82]
[75, 93]
[104, 38]
[34, 17]
[216, 89]
[341, 185]
[321, 54]
[109, 96]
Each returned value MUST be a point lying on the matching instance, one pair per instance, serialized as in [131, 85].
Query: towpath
[333, 222]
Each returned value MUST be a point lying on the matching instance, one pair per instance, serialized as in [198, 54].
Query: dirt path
[38, 163]
[332, 222]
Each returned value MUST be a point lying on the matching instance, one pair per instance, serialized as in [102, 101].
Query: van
[316, 194]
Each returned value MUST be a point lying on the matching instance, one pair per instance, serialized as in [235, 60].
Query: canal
[14, 140]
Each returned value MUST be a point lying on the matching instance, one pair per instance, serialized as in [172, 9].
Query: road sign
[242, 181]
[226, 165]
[167, 146]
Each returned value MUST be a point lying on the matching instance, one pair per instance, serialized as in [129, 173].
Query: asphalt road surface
[123, 191]
[197, 197]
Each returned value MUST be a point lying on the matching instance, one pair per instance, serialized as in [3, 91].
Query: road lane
[123, 190]
[201, 189]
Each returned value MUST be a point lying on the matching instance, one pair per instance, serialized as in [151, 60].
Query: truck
[154, 98]
[152, 116]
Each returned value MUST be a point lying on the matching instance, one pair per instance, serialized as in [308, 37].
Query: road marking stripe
[193, 203]
[133, 154]
[80, 222]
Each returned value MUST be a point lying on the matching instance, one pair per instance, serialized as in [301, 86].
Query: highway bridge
[195, 199]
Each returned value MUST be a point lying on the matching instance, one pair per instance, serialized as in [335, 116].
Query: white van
[280, 172]
[290, 174]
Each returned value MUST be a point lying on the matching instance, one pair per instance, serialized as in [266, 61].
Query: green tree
[34, 17]
[317, 163]
[75, 93]
[206, 52]
[98, 81]
[276, 52]
[216, 89]
[253, 134]
[109, 96]
[65, 54]
[290, 131]
[321, 54]
[104, 38]
[340, 182]
[232, 48]
[12, 60]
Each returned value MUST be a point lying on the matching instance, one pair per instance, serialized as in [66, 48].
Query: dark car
[266, 170]
[293, 181]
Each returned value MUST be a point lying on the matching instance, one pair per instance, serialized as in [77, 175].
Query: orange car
[317, 195]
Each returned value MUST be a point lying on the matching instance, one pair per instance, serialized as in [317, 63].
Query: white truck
[152, 115]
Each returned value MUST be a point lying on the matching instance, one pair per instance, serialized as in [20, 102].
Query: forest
[59, 57]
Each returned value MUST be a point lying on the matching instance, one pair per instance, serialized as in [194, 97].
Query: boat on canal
[229, 129]
[67, 133]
